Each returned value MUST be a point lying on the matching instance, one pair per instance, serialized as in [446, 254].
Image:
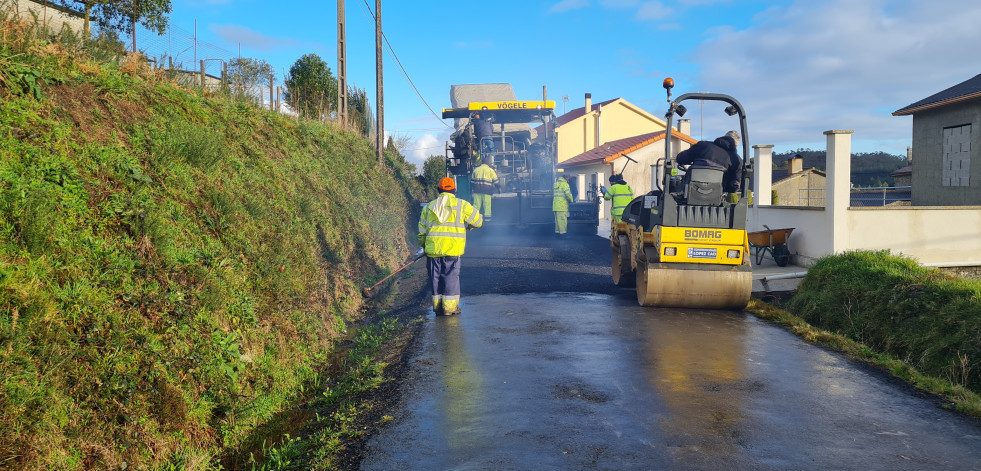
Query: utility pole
[341, 65]
[379, 93]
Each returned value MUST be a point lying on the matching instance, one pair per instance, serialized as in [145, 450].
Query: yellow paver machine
[525, 158]
[684, 244]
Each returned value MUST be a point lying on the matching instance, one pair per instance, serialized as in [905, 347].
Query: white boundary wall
[947, 236]
[54, 19]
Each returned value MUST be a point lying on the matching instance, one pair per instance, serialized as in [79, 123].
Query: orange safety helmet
[446, 184]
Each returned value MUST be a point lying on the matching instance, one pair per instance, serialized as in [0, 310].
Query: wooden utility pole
[379, 93]
[341, 66]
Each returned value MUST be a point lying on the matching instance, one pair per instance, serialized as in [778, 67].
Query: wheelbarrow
[772, 241]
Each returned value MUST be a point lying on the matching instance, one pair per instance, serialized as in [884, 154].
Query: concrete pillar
[581, 186]
[762, 175]
[837, 193]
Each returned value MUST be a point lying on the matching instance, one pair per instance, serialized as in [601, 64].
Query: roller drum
[693, 286]
[623, 275]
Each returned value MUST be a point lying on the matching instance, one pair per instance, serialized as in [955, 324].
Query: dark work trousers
[444, 277]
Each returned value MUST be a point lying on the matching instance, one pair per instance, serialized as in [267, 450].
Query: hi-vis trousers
[444, 278]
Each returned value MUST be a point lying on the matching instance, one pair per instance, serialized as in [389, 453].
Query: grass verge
[175, 266]
[919, 324]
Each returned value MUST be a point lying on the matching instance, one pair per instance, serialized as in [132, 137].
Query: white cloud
[693, 3]
[619, 4]
[566, 5]
[653, 11]
[426, 145]
[841, 64]
[252, 39]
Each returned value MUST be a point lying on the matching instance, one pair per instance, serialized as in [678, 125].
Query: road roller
[684, 243]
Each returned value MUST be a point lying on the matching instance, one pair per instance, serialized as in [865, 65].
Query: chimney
[796, 165]
[684, 126]
[589, 103]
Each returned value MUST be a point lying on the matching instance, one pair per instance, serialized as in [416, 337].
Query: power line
[424, 148]
[397, 61]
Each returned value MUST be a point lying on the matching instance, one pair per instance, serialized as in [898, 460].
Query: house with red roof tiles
[613, 136]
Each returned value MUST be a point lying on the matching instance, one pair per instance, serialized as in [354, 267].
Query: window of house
[957, 156]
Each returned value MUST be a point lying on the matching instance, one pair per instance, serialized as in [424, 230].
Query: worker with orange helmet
[443, 227]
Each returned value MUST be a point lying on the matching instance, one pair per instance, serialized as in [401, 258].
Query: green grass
[342, 406]
[918, 323]
[174, 266]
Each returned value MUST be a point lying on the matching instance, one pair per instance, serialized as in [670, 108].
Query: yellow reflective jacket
[561, 195]
[621, 195]
[483, 180]
[443, 225]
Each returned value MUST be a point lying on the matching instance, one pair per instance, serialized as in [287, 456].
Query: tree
[433, 169]
[398, 142]
[87, 9]
[311, 88]
[360, 116]
[246, 73]
[122, 15]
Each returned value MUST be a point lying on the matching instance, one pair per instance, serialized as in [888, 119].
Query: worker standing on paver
[485, 136]
[561, 197]
[620, 193]
[443, 227]
[483, 182]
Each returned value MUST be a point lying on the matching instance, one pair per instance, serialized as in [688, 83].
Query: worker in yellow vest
[443, 227]
[620, 193]
[561, 197]
[483, 182]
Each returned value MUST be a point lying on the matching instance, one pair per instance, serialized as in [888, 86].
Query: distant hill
[868, 168]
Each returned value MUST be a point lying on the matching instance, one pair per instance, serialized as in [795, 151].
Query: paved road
[580, 377]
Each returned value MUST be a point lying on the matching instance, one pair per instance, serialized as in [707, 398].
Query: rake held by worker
[367, 291]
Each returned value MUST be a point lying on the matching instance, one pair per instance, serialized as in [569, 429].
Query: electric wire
[406, 74]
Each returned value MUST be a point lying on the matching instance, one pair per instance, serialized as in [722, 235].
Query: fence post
[272, 84]
[170, 62]
[202, 73]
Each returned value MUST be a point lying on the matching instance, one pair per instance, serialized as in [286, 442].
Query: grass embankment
[920, 324]
[174, 267]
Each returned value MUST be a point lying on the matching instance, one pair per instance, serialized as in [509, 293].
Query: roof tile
[966, 90]
[613, 150]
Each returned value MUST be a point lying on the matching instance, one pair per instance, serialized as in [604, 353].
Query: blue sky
[798, 67]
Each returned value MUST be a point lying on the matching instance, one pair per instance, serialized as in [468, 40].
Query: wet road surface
[531, 379]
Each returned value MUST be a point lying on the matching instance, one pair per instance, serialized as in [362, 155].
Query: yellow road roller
[684, 244]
